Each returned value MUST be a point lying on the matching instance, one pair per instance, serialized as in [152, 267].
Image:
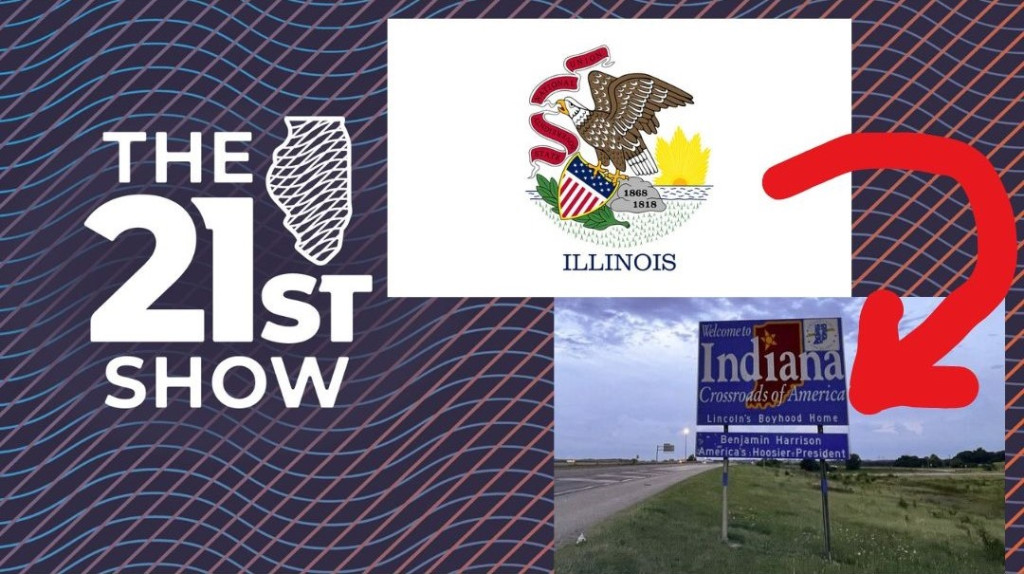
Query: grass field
[881, 522]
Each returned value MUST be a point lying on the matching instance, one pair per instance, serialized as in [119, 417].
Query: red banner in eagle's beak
[560, 83]
[548, 154]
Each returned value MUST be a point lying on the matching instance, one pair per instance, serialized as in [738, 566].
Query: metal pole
[657, 449]
[725, 497]
[824, 505]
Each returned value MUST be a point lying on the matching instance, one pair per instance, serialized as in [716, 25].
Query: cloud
[914, 427]
[583, 333]
[886, 428]
[889, 427]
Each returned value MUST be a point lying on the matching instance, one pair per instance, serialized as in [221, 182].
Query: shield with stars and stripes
[581, 191]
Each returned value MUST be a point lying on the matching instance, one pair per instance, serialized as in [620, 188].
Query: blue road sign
[782, 446]
[772, 372]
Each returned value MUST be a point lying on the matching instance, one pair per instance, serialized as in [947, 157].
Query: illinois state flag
[615, 143]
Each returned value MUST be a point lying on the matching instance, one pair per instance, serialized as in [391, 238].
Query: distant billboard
[668, 447]
[771, 372]
[782, 446]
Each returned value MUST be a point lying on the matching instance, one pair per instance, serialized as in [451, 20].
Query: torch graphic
[310, 180]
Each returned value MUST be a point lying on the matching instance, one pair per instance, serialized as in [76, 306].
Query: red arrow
[889, 371]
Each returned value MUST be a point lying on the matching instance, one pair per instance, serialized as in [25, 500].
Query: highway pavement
[585, 495]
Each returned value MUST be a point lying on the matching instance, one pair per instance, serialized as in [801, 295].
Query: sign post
[725, 495]
[788, 372]
[827, 528]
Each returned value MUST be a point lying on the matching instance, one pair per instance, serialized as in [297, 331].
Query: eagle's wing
[599, 82]
[600, 133]
[635, 99]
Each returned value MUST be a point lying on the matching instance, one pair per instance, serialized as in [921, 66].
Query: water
[668, 192]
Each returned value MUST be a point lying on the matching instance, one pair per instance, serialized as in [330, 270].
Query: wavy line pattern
[211, 488]
[437, 391]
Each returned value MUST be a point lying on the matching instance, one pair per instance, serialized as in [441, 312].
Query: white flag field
[465, 217]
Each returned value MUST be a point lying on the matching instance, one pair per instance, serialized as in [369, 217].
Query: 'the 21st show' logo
[310, 180]
[615, 191]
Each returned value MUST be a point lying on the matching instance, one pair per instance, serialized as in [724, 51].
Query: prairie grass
[890, 522]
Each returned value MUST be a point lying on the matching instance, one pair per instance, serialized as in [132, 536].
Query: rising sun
[682, 160]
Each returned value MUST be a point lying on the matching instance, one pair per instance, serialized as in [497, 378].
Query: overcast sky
[626, 377]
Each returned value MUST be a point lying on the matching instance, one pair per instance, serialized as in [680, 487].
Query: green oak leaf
[600, 219]
[548, 191]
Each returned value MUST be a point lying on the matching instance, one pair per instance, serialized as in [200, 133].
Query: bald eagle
[624, 107]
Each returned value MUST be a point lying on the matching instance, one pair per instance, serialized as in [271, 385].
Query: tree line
[963, 459]
[978, 457]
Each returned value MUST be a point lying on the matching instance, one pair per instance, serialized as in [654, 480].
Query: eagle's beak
[561, 107]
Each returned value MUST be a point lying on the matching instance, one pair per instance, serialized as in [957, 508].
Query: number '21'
[126, 316]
